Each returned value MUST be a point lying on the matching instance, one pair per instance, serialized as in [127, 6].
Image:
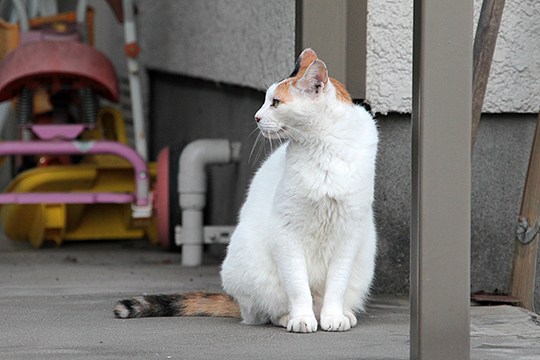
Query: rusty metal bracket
[525, 233]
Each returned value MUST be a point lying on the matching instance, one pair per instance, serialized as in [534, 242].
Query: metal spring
[25, 107]
[89, 106]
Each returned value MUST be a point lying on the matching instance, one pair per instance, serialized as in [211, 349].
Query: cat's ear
[315, 78]
[304, 60]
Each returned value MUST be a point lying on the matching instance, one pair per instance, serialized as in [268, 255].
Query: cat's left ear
[315, 78]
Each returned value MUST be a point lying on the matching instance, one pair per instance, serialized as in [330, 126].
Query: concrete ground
[56, 303]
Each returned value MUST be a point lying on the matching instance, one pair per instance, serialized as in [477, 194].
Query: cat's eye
[275, 102]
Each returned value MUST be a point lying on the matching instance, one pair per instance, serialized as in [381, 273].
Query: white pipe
[80, 13]
[134, 76]
[192, 190]
[22, 16]
[5, 109]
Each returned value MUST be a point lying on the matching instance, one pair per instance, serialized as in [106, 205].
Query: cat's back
[360, 125]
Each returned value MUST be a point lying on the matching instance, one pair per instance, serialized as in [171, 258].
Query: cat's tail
[197, 303]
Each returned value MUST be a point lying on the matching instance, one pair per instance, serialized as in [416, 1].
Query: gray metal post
[440, 224]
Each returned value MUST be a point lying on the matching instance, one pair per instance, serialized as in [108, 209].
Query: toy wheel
[166, 198]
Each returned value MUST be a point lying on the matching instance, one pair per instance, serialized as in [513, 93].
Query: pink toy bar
[142, 179]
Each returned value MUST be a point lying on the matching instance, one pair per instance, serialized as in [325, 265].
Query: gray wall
[499, 167]
[241, 42]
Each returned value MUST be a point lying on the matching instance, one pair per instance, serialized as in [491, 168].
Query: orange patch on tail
[341, 93]
[201, 303]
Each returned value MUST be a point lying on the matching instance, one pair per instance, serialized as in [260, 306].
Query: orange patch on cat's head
[283, 91]
[306, 58]
[341, 93]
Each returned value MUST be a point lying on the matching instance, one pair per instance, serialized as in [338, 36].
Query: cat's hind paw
[335, 323]
[283, 321]
[302, 324]
[352, 317]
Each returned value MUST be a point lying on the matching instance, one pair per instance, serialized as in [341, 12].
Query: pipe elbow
[192, 189]
[194, 159]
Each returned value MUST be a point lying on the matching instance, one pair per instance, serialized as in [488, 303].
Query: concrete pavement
[56, 303]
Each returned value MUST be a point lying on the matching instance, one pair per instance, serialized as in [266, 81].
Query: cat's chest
[316, 219]
[321, 179]
[322, 225]
[321, 193]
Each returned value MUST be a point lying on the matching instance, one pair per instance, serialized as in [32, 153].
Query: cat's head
[291, 106]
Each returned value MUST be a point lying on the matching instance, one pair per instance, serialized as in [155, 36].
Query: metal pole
[440, 224]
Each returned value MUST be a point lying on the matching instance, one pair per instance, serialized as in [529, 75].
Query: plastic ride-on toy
[76, 176]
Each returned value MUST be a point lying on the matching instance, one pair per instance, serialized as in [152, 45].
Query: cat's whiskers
[253, 146]
[257, 144]
[271, 145]
[253, 132]
[282, 136]
[280, 141]
[298, 134]
[289, 136]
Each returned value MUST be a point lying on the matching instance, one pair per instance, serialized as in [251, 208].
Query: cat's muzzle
[273, 133]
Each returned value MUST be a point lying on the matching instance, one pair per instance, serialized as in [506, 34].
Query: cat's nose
[257, 118]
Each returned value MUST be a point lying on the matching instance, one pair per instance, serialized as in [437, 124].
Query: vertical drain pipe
[192, 189]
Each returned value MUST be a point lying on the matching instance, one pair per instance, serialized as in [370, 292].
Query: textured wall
[241, 42]
[389, 55]
[514, 83]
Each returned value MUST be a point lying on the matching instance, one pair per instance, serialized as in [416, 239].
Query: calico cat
[303, 253]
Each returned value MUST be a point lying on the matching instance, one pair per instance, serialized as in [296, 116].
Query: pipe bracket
[524, 232]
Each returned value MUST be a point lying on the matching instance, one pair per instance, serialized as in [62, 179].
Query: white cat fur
[303, 252]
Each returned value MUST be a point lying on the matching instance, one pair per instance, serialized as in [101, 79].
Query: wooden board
[484, 46]
[525, 255]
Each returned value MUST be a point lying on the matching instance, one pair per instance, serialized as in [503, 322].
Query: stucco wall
[240, 42]
[514, 83]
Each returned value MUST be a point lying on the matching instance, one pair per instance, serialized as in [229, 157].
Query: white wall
[514, 83]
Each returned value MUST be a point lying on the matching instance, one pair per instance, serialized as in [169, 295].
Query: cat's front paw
[335, 323]
[302, 324]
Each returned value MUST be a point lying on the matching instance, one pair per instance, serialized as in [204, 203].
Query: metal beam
[440, 224]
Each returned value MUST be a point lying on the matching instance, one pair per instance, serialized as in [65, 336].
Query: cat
[303, 253]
